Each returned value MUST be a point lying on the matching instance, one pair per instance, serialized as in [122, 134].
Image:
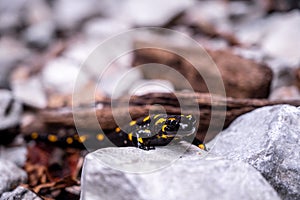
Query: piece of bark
[140, 106]
[242, 78]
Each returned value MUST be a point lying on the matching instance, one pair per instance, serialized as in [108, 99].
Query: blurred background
[44, 43]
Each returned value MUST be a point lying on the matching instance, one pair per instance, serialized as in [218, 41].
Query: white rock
[40, 34]
[188, 177]
[17, 155]
[285, 93]
[20, 193]
[277, 35]
[282, 39]
[10, 13]
[104, 27]
[151, 13]
[24, 90]
[10, 110]
[60, 75]
[267, 138]
[210, 12]
[150, 86]
[68, 14]
[11, 51]
[10, 175]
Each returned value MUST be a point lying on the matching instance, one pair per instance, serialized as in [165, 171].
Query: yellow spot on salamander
[163, 128]
[146, 118]
[52, 138]
[164, 136]
[161, 120]
[118, 129]
[82, 138]
[69, 140]
[140, 140]
[171, 119]
[100, 137]
[201, 146]
[130, 136]
[156, 116]
[34, 135]
[132, 123]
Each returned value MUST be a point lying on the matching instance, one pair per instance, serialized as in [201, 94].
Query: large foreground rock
[189, 177]
[268, 139]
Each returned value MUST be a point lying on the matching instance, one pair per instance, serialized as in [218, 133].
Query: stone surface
[11, 52]
[60, 75]
[283, 73]
[268, 139]
[10, 176]
[17, 155]
[140, 13]
[40, 34]
[281, 43]
[189, 177]
[69, 14]
[285, 93]
[20, 193]
[10, 116]
[215, 13]
[25, 89]
[104, 28]
[10, 110]
[8, 14]
[143, 87]
[41, 26]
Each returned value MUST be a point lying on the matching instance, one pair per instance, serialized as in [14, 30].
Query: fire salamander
[144, 133]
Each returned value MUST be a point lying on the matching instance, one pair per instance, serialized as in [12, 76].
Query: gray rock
[283, 42]
[24, 90]
[10, 110]
[267, 138]
[68, 14]
[17, 155]
[141, 13]
[81, 49]
[20, 193]
[60, 75]
[40, 34]
[41, 26]
[10, 14]
[285, 93]
[10, 176]
[283, 73]
[143, 87]
[188, 176]
[10, 116]
[11, 52]
[104, 27]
